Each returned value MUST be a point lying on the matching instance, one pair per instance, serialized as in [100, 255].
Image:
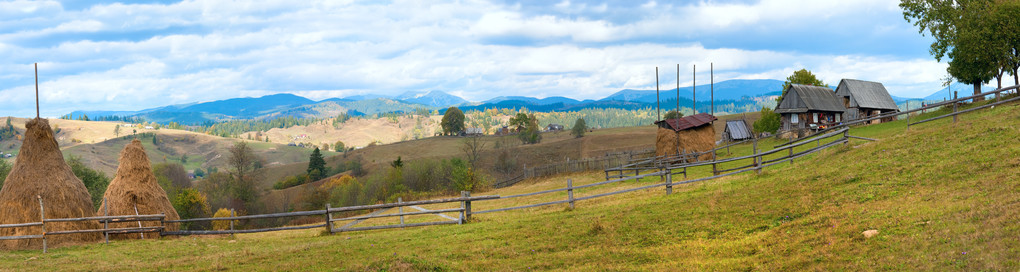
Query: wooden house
[554, 127]
[737, 130]
[864, 99]
[806, 107]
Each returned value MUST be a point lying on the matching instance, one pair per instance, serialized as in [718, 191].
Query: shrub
[191, 203]
[769, 121]
[222, 224]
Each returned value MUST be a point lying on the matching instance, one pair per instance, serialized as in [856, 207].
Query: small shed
[805, 106]
[554, 127]
[736, 130]
[865, 99]
[686, 135]
[504, 130]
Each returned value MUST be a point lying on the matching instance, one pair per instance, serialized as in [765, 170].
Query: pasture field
[943, 196]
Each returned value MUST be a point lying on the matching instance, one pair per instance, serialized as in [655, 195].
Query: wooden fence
[574, 166]
[106, 220]
[666, 173]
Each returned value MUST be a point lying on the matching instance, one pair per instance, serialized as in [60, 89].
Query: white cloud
[323, 49]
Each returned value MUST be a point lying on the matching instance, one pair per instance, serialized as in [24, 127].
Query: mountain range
[731, 96]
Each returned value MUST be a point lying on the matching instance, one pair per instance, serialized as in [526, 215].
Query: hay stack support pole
[42, 221]
[106, 224]
[37, 96]
[139, 222]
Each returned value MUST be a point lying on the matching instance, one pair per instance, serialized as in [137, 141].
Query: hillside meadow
[943, 196]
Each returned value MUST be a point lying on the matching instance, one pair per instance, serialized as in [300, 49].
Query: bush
[769, 121]
[222, 224]
[291, 181]
[190, 203]
[5, 168]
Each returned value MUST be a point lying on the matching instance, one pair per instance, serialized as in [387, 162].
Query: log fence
[106, 220]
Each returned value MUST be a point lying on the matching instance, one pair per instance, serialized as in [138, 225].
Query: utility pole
[711, 69]
[678, 88]
[658, 114]
[37, 90]
[694, 90]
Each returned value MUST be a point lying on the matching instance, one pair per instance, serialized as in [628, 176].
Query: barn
[804, 107]
[736, 130]
[865, 99]
[686, 135]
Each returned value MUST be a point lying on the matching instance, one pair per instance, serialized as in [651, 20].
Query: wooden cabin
[805, 107]
[864, 99]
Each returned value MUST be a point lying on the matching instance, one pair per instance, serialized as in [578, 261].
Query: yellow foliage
[334, 182]
[222, 224]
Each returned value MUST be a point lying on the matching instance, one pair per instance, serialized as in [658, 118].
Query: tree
[579, 128]
[399, 163]
[95, 181]
[453, 121]
[964, 31]
[246, 171]
[339, 146]
[5, 168]
[316, 165]
[1007, 19]
[803, 77]
[190, 203]
[521, 121]
[532, 134]
[472, 148]
[116, 131]
[769, 121]
[673, 114]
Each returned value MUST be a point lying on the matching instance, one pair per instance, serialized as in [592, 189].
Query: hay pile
[40, 170]
[700, 139]
[135, 185]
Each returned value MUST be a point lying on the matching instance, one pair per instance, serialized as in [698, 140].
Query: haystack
[669, 142]
[135, 186]
[40, 170]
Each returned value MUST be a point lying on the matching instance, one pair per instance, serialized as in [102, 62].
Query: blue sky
[136, 55]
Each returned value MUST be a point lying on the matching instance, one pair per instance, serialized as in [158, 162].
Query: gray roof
[865, 94]
[738, 129]
[804, 98]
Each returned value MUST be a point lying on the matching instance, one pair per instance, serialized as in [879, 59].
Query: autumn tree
[453, 121]
[245, 173]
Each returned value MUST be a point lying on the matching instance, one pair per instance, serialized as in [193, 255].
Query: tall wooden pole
[37, 90]
[711, 69]
[658, 114]
[694, 90]
[678, 88]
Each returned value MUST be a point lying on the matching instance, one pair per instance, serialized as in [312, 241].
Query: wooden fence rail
[106, 230]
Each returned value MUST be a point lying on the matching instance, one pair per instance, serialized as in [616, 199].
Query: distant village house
[554, 127]
[736, 130]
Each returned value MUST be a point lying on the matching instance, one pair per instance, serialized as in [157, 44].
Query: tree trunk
[977, 91]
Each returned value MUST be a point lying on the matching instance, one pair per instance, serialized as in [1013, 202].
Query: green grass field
[943, 196]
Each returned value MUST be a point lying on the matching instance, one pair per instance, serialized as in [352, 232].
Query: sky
[136, 55]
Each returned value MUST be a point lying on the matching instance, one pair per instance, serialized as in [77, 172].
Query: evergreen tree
[316, 165]
[579, 128]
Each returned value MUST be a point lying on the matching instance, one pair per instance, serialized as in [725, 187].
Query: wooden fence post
[955, 96]
[466, 204]
[669, 183]
[329, 220]
[231, 223]
[570, 193]
[846, 136]
[908, 116]
[754, 153]
[400, 210]
[42, 220]
[106, 224]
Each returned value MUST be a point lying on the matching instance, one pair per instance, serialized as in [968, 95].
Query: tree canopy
[579, 128]
[453, 121]
[803, 77]
[316, 165]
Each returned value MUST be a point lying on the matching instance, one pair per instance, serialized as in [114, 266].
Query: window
[815, 117]
[793, 119]
[837, 118]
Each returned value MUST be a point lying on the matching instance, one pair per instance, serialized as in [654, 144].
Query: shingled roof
[804, 98]
[688, 122]
[866, 94]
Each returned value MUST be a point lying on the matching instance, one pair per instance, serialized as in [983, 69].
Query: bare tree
[246, 170]
[472, 147]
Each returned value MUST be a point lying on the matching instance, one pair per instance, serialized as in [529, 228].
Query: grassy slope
[943, 196]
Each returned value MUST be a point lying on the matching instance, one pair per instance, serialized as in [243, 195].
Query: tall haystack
[686, 135]
[40, 170]
[135, 186]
